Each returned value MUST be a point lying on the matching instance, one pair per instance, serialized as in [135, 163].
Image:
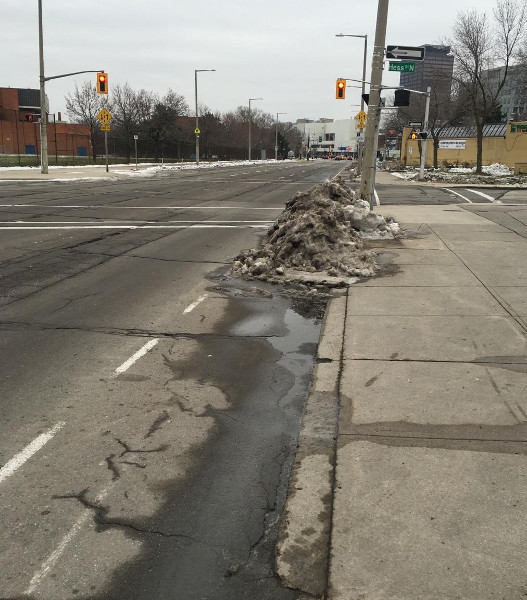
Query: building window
[330, 137]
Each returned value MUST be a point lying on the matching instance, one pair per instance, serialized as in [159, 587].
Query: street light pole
[250, 100]
[196, 71]
[43, 116]
[276, 136]
[425, 128]
[360, 144]
[372, 124]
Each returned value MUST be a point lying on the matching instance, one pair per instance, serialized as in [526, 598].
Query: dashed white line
[128, 363]
[486, 196]
[52, 559]
[192, 306]
[17, 461]
[460, 195]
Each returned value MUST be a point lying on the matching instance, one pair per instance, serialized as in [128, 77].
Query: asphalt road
[399, 193]
[150, 404]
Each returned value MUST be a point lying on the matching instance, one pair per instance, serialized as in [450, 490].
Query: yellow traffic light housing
[340, 93]
[102, 83]
[414, 135]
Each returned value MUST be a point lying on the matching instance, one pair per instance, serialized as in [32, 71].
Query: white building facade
[327, 136]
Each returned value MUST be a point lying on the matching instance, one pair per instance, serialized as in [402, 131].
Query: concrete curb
[302, 550]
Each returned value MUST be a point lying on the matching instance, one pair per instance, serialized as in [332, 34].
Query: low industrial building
[504, 143]
[20, 127]
[327, 136]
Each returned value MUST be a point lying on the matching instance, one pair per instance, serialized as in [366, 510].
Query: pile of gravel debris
[318, 239]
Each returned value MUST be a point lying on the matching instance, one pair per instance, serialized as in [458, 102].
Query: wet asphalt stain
[219, 525]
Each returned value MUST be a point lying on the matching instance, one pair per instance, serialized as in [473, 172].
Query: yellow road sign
[105, 128]
[197, 131]
[361, 117]
[361, 125]
[104, 116]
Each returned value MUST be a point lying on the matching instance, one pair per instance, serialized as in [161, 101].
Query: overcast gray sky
[283, 51]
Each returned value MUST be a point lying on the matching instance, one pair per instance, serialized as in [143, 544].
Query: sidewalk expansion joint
[507, 309]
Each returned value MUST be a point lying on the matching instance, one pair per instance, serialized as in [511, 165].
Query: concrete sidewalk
[428, 493]
[72, 173]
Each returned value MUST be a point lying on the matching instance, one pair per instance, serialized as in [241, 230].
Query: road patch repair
[318, 240]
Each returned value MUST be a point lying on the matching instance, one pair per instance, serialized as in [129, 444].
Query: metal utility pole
[276, 136]
[251, 100]
[196, 71]
[425, 129]
[43, 115]
[360, 144]
[372, 125]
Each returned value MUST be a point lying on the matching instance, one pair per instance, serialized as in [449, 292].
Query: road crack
[100, 516]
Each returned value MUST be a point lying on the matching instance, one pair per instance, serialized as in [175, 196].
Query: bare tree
[131, 110]
[83, 106]
[478, 47]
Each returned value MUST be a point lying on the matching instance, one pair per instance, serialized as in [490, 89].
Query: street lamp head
[350, 35]
[250, 99]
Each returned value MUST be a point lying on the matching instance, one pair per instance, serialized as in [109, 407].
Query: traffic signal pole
[43, 115]
[372, 124]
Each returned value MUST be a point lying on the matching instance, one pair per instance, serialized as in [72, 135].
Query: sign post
[105, 117]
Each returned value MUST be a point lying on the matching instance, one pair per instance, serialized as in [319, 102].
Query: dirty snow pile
[496, 169]
[320, 232]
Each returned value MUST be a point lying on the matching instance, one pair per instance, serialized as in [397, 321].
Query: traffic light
[402, 98]
[340, 93]
[419, 135]
[29, 118]
[102, 83]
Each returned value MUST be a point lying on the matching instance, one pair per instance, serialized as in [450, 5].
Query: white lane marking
[192, 306]
[109, 207]
[17, 461]
[52, 559]
[36, 228]
[460, 195]
[486, 196]
[377, 201]
[134, 358]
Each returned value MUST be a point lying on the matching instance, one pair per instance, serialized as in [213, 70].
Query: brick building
[20, 127]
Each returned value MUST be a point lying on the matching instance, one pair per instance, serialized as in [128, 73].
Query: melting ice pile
[320, 231]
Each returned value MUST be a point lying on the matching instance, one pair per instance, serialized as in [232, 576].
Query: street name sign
[402, 67]
[104, 116]
[415, 124]
[398, 52]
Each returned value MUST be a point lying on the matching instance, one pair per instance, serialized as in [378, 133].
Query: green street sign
[402, 67]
